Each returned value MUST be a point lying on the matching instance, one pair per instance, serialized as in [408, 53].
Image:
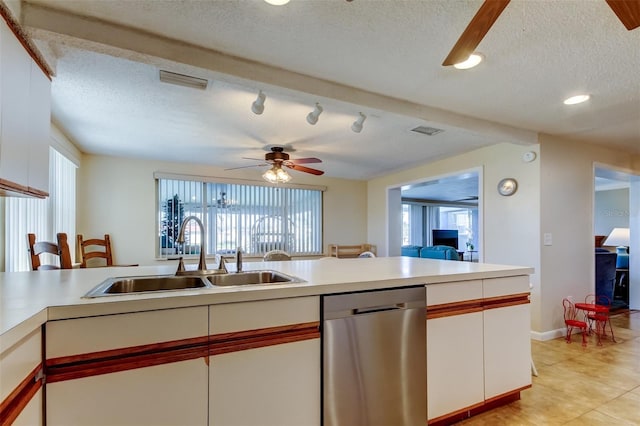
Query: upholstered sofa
[605, 272]
[430, 252]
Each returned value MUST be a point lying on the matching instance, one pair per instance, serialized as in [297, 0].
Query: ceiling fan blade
[246, 167]
[628, 11]
[255, 159]
[305, 160]
[475, 31]
[305, 169]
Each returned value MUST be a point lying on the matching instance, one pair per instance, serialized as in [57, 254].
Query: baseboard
[548, 335]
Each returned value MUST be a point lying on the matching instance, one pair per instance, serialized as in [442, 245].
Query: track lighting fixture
[276, 174]
[357, 125]
[258, 105]
[312, 117]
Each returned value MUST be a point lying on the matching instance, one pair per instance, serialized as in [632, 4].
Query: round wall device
[529, 156]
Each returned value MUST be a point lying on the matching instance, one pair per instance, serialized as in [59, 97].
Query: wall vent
[429, 131]
[183, 80]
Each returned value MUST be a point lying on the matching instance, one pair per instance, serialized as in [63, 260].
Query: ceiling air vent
[183, 80]
[429, 131]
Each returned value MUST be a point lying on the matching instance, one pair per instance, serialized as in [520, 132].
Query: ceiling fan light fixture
[578, 99]
[473, 60]
[258, 105]
[277, 2]
[312, 117]
[276, 175]
[357, 125]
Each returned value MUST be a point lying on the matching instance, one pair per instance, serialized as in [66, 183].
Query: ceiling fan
[278, 158]
[628, 11]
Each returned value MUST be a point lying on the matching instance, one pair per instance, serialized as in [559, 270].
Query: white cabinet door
[39, 129]
[15, 76]
[261, 384]
[454, 363]
[31, 415]
[168, 394]
[275, 385]
[135, 373]
[507, 341]
[454, 347]
[507, 349]
[19, 366]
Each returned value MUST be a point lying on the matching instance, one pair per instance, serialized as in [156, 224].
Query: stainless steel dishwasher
[374, 358]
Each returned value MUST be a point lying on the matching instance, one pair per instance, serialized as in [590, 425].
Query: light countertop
[28, 299]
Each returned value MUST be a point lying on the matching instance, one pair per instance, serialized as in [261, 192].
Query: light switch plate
[548, 239]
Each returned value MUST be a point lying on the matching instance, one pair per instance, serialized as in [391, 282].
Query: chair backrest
[276, 255]
[61, 250]
[366, 254]
[570, 311]
[94, 249]
[597, 299]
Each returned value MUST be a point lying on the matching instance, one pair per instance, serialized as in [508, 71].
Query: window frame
[208, 212]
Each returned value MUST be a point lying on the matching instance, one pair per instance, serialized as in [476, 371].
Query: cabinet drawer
[439, 294]
[94, 334]
[262, 314]
[494, 287]
[19, 361]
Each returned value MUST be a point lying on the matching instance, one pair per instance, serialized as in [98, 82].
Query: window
[419, 219]
[256, 218]
[43, 217]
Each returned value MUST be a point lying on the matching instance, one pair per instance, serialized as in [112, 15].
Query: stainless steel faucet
[239, 259]
[202, 264]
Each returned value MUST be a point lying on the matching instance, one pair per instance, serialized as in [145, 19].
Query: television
[445, 237]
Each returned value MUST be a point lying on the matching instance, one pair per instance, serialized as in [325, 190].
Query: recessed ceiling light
[473, 60]
[576, 99]
[277, 2]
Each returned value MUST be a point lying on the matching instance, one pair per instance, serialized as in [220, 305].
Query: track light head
[258, 105]
[312, 117]
[357, 125]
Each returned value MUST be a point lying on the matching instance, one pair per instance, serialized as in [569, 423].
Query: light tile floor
[592, 385]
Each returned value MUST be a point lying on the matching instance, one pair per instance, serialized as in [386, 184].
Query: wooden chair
[94, 249]
[61, 250]
[276, 255]
[571, 321]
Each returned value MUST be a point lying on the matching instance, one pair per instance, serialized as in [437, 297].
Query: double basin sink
[129, 285]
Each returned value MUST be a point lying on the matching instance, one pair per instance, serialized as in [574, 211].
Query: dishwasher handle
[382, 308]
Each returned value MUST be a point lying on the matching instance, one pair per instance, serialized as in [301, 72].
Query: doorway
[450, 202]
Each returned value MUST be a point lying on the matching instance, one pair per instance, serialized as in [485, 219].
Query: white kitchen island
[246, 354]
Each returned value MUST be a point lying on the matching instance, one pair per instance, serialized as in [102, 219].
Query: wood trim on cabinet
[506, 301]
[454, 308]
[476, 305]
[15, 402]
[24, 40]
[473, 410]
[122, 359]
[239, 341]
[9, 188]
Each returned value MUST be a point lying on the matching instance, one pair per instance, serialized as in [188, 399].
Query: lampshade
[618, 237]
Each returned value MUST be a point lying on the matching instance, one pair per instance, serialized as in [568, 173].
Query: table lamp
[619, 238]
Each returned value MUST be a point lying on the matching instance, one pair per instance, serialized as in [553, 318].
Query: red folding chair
[571, 321]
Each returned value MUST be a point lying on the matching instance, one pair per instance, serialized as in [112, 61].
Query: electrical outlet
[547, 239]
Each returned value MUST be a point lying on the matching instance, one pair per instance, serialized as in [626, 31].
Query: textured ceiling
[537, 54]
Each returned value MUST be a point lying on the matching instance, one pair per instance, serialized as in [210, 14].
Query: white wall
[611, 210]
[511, 224]
[116, 196]
[567, 205]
